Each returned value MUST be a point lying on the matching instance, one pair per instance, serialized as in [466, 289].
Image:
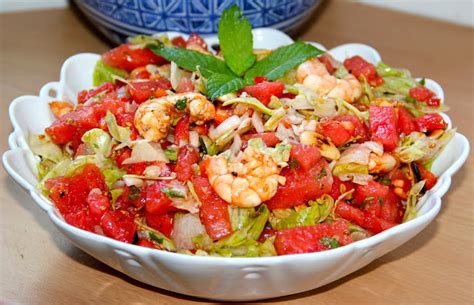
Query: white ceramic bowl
[229, 279]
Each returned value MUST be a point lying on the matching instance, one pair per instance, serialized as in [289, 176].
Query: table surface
[39, 266]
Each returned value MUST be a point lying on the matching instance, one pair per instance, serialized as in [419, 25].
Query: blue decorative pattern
[120, 18]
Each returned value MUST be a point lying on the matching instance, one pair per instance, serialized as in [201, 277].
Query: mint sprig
[236, 40]
[221, 84]
[282, 60]
[191, 60]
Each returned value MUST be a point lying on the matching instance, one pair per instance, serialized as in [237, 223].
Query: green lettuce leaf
[242, 242]
[317, 212]
[119, 133]
[385, 70]
[41, 145]
[104, 73]
[413, 194]
[98, 141]
[112, 175]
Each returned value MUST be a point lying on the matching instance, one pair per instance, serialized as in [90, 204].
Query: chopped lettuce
[419, 147]
[112, 175]
[243, 242]
[317, 212]
[240, 217]
[341, 72]
[272, 123]
[104, 73]
[251, 101]
[98, 141]
[119, 133]
[385, 70]
[145, 41]
[115, 194]
[41, 145]
[208, 146]
[397, 82]
[410, 209]
[280, 153]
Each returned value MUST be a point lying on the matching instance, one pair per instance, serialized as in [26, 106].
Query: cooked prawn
[314, 75]
[246, 181]
[154, 117]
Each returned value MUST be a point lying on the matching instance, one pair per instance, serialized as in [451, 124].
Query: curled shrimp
[246, 181]
[154, 117]
[314, 75]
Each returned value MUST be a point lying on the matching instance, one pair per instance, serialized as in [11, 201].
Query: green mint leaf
[281, 60]
[181, 104]
[329, 242]
[190, 60]
[236, 40]
[220, 84]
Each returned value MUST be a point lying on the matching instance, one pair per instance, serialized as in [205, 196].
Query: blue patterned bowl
[118, 19]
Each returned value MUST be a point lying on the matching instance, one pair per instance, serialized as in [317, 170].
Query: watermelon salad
[232, 151]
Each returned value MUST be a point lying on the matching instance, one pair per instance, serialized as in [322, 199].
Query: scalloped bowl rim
[18, 146]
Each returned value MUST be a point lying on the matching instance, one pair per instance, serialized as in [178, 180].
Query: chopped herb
[329, 242]
[409, 99]
[155, 238]
[366, 200]
[181, 104]
[380, 201]
[322, 174]
[385, 181]
[170, 193]
[134, 193]
[293, 164]
[172, 154]
[422, 81]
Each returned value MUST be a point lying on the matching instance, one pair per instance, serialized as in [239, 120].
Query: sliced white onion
[122, 92]
[176, 74]
[129, 181]
[236, 145]
[257, 122]
[152, 171]
[361, 179]
[283, 133]
[294, 117]
[185, 228]
[143, 151]
[118, 184]
[245, 126]
[230, 123]
[359, 153]
[194, 138]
